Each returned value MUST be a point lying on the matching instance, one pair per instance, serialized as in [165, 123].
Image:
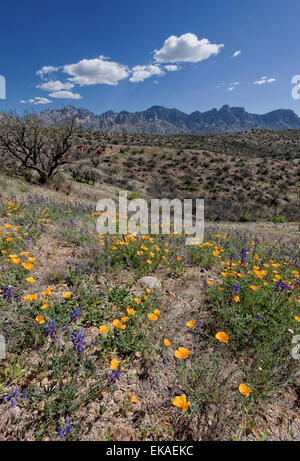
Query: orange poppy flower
[103, 329]
[244, 389]
[40, 319]
[30, 297]
[28, 266]
[191, 323]
[181, 402]
[182, 353]
[152, 317]
[48, 292]
[117, 323]
[30, 279]
[16, 260]
[114, 364]
[222, 337]
[167, 343]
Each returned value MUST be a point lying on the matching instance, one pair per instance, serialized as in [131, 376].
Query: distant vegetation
[242, 176]
[245, 176]
[253, 143]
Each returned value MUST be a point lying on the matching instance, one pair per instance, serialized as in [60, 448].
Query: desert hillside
[141, 337]
[97, 352]
[242, 177]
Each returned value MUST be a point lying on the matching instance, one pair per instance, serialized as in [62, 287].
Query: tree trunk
[43, 178]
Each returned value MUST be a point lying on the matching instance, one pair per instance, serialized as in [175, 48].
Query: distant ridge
[159, 119]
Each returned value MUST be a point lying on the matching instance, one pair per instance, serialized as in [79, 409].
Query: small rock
[150, 282]
[122, 434]
[117, 396]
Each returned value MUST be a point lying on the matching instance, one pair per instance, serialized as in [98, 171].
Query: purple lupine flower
[50, 329]
[259, 316]
[236, 289]
[64, 429]
[114, 376]
[13, 396]
[296, 282]
[78, 341]
[75, 315]
[283, 287]
[6, 293]
[243, 255]
[261, 264]
[199, 324]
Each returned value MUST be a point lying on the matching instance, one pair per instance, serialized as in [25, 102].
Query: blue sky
[100, 54]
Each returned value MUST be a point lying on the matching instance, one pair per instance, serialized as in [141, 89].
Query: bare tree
[43, 149]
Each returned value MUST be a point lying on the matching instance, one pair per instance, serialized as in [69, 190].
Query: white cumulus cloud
[55, 85]
[264, 80]
[46, 70]
[65, 95]
[36, 100]
[96, 71]
[171, 67]
[140, 73]
[186, 48]
[236, 54]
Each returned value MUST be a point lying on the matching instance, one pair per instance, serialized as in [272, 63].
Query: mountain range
[159, 119]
